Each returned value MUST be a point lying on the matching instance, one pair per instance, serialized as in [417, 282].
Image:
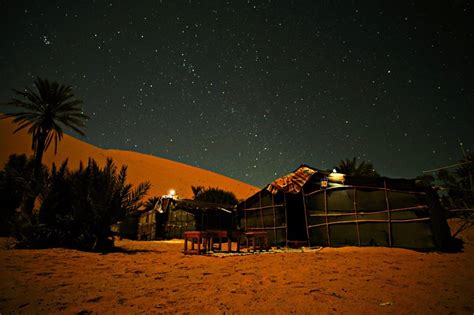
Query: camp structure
[315, 208]
[170, 218]
[128, 227]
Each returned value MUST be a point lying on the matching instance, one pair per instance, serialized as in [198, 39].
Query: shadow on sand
[128, 251]
[456, 245]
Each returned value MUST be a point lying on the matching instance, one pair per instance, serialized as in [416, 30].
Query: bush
[15, 188]
[79, 207]
[215, 195]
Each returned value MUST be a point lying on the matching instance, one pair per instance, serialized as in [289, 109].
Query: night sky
[253, 89]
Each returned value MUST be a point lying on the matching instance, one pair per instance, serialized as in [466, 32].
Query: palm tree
[151, 203]
[214, 194]
[45, 112]
[80, 206]
[350, 167]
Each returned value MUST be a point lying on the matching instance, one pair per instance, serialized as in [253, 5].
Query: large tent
[171, 218]
[313, 207]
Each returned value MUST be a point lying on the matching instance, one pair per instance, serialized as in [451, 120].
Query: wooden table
[200, 237]
[219, 234]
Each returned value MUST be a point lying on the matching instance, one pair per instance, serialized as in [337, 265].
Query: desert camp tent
[315, 208]
[172, 217]
[127, 228]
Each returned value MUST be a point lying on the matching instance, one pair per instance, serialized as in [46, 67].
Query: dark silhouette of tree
[465, 173]
[197, 190]
[14, 188]
[457, 184]
[455, 191]
[461, 194]
[79, 207]
[426, 180]
[215, 195]
[45, 112]
[151, 203]
[352, 168]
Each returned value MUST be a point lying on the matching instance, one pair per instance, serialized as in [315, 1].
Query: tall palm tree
[351, 168]
[45, 112]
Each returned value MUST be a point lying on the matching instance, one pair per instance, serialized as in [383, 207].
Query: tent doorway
[296, 220]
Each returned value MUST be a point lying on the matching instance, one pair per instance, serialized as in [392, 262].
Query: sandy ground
[162, 173]
[155, 277]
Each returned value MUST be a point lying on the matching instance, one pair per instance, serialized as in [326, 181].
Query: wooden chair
[219, 234]
[259, 237]
[253, 240]
[196, 237]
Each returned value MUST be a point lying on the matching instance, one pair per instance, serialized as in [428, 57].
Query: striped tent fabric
[293, 182]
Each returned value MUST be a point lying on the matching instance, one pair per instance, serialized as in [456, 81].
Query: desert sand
[155, 277]
[162, 173]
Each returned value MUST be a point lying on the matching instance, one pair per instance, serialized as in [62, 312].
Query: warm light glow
[172, 192]
[337, 178]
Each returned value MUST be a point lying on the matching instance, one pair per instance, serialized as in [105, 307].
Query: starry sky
[253, 89]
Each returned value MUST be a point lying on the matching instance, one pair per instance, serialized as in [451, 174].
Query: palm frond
[46, 111]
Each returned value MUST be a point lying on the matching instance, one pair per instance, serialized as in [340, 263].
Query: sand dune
[162, 173]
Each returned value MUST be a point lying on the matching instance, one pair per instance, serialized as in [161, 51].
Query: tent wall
[364, 211]
[179, 221]
[369, 216]
[128, 227]
[265, 212]
[214, 219]
[147, 226]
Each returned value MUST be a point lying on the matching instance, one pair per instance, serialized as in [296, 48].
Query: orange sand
[155, 277]
[162, 173]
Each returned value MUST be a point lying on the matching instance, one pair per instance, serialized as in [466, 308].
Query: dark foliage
[15, 188]
[45, 113]
[151, 203]
[456, 191]
[352, 168]
[456, 187]
[79, 207]
[465, 174]
[426, 180]
[215, 195]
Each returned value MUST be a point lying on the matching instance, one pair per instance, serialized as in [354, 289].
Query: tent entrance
[296, 221]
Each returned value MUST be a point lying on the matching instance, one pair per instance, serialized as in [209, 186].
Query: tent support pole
[356, 215]
[261, 210]
[305, 216]
[286, 220]
[326, 210]
[389, 214]
[274, 219]
[245, 214]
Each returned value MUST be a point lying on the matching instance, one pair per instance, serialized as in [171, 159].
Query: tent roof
[195, 204]
[293, 182]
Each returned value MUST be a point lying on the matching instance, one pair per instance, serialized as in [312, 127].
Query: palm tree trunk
[39, 159]
[36, 179]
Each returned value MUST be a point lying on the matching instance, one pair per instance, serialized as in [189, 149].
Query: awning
[293, 182]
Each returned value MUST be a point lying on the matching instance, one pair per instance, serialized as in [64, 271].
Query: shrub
[79, 207]
[15, 188]
[215, 195]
